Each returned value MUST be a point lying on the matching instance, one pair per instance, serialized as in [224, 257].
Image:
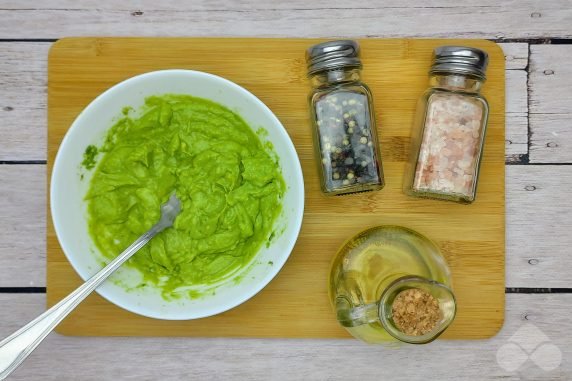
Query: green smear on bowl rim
[89, 157]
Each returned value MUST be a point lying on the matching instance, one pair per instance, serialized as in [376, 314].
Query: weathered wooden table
[536, 340]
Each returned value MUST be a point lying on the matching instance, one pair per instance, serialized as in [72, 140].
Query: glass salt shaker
[450, 125]
[341, 106]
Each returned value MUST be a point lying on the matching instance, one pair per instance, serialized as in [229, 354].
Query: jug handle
[359, 315]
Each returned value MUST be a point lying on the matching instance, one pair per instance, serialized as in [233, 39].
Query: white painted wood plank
[516, 108]
[551, 137]
[551, 104]
[551, 79]
[67, 358]
[538, 226]
[296, 18]
[22, 222]
[516, 100]
[23, 100]
[516, 137]
[516, 60]
[516, 55]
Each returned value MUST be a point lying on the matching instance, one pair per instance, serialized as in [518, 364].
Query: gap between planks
[531, 320]
[508, 290]
[528, 19]
[23, 101]
[537, 238]
[550, 95]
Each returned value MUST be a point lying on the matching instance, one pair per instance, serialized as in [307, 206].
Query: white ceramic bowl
[69, 208]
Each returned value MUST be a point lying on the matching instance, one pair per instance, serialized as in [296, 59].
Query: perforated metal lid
[332, 55]
[460, 60]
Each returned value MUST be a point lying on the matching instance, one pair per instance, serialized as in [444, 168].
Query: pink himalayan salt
[450, 145]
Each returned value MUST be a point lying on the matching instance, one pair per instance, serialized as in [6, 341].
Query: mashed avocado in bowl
[229, 183]
[228, 159]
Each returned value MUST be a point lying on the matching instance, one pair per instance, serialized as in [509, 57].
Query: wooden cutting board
[295, 303]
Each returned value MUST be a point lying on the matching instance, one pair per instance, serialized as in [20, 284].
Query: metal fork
[18, 346]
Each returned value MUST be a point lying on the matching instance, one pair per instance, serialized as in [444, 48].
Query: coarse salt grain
[449, 148]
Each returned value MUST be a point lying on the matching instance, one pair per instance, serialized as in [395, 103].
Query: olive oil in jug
[372, 270]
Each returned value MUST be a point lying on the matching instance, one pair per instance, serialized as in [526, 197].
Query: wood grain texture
[24, 254]
[516, 140]
[297, 18]
[536, 197]
[538, 211]
[22, 218]
[23, 80]
[551, 104]
[79, 69]
[23, 77]
[516, 59]
[516, 55]
[64, 358]
[70, 358]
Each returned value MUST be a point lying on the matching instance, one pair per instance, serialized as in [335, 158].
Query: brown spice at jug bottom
[415, 312]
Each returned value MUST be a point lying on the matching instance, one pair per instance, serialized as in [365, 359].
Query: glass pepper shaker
[341, 106]
[450, 125]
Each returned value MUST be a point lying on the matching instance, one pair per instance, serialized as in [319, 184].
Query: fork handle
[18, 346]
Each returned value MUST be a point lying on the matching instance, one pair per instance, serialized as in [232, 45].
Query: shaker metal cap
[460, 60]
[331, 55]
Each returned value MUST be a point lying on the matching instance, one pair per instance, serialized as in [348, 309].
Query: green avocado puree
[229, 183]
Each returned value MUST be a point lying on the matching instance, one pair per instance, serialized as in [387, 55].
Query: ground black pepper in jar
[341, 107]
